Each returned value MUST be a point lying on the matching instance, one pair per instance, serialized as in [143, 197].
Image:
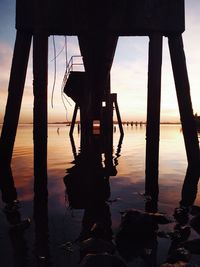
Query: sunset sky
[128, 75]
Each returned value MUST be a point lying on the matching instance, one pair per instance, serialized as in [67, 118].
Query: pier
[97, 25]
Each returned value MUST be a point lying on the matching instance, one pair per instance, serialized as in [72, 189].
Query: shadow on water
[40, 216]
[88, 188]
[87, 182]
[137, 239]
[17, 227]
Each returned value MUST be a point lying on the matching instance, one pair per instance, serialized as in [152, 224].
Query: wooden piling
[15, 94]
[184, 100]
[153, 113]
[40, 77]
[190, 186]
[108, 114]
[73, 120]
[118, 114]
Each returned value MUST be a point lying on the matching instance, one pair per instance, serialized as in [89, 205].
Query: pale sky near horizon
[128, 74]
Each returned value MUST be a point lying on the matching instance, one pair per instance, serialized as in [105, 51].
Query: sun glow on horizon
[129, 74]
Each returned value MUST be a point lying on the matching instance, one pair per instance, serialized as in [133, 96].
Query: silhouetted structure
[197, 120]
[98, 26]
[88, 187]
[74, 84]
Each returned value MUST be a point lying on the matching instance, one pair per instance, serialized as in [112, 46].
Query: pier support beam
[40, 77]
[107, 128]
[118, 114]
[184, 100]
[15, 94]
[190, 186]
[153, 113]
[73, 120]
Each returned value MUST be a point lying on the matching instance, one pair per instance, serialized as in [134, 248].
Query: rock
[158, 218]
[161, 218]
[195, 223]
[181, 233]
[138, 262]
[102, 260]
[163, 234]
[179, 255]
[96, 245]
[137, 234]
[181, 215]
[176, 264]
[138, 223]
[195, 210]
[192, 245]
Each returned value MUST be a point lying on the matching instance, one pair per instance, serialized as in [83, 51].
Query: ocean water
[56, 223]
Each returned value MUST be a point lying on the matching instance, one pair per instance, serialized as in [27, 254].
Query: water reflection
[190, 186]
[17, 239]
[7, 186]
[88, 187]
[90, 184]
[18, 226]
[40, 215]
[139, 234]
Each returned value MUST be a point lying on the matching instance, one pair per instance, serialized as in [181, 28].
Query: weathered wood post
[190, 186]
[153, 112]
[40, 77]
[107, 127]
[11, 118]
[118, 114]
[73, 120]
[184, 101]
[15, 94]
[179, 67]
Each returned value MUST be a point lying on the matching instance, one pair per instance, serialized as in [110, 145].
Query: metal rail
[72, 66]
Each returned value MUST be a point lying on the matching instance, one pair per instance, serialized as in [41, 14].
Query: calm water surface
[126, 187]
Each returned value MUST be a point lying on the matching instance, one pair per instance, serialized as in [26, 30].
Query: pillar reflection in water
[187, 217]
[40, 215]
[88, 188]
[190, 185]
